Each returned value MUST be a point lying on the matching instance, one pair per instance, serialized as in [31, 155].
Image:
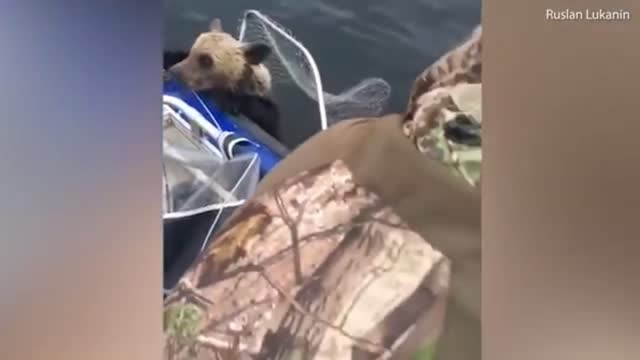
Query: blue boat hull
[268, 149]
[184, 237]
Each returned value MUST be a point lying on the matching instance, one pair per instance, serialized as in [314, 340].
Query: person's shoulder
[364, 122]
[369, 125]
[346, 140]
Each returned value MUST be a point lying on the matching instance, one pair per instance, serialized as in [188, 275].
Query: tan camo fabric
[432, 183]
[426, 128]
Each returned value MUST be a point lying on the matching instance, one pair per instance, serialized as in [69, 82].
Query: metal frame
[302, 48]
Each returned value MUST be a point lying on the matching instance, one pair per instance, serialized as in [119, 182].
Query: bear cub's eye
[205, 61]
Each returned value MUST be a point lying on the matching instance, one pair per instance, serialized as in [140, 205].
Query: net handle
[305, 52]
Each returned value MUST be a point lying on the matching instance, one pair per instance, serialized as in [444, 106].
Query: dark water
[349, 39]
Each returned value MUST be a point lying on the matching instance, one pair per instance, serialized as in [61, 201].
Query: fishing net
[294, 69]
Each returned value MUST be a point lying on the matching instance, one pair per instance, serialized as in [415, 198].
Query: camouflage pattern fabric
[436, 110]
[316, 269]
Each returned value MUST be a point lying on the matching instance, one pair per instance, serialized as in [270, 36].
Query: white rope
[193, 115]
[176, 118]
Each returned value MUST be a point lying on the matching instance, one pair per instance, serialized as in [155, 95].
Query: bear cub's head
[218, 61]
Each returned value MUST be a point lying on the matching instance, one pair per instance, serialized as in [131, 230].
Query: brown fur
[233, 74]
[229, 70]
[462, 64]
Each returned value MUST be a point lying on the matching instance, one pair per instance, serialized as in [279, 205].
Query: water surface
[349, 39]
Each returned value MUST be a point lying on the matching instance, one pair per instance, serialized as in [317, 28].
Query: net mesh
[292, 65]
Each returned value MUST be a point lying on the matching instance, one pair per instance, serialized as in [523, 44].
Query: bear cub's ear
[256, 53]
[215, 25]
